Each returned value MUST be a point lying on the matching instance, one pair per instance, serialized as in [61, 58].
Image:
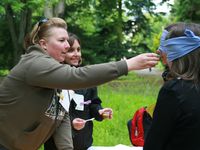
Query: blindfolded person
[176, 118]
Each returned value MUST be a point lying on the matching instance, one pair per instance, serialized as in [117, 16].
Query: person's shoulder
[35, 53]
[40, 62]
[34, 49]
[172, 84]
[177, 84]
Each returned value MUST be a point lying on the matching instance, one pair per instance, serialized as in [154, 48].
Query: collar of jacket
[36, 47]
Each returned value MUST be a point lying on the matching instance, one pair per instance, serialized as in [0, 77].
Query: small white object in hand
[89, 119]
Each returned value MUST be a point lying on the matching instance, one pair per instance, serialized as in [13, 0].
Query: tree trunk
[119, 21]
[60, 9]
[56, 10]
[10, 20]
[24, 27]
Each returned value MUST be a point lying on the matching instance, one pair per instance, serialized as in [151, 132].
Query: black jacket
[82, 139]
[176, 118]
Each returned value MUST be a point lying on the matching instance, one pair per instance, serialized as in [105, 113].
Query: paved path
[147, 72]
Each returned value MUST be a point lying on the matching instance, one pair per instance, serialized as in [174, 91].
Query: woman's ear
[43, 44]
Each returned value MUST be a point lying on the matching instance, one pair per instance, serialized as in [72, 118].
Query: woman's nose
[76, 52]
[67, 45]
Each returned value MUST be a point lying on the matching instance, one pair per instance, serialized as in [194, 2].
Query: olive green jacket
[27, 92]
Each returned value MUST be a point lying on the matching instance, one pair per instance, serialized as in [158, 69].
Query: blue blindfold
[179, 46]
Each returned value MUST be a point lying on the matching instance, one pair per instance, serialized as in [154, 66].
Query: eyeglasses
[42, 21]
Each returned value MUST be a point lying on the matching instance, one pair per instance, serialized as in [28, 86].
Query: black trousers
[49, 144]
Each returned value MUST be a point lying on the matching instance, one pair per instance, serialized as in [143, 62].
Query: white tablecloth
[117, 147]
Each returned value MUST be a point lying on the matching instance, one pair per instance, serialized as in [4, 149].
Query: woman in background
[82, 130]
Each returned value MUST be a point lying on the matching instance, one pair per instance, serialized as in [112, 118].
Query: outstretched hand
[142, 61]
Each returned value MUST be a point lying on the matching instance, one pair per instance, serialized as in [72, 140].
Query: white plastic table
[117, 147]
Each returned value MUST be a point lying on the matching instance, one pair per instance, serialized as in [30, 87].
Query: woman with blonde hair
[29, 94]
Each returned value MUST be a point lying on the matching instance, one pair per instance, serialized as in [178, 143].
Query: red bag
[139, 126]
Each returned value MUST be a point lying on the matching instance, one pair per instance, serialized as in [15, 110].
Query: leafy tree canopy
[108, 29]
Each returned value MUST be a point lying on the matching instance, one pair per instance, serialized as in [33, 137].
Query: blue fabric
[180, 46]
[162, 39]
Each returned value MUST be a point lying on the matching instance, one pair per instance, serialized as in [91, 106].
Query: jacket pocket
[33, 137]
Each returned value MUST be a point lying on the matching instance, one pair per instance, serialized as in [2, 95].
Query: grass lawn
[124, 96]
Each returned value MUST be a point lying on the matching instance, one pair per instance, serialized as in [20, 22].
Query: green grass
[3, 72]
[124, 96]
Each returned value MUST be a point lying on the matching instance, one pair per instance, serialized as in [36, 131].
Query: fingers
[78, 123]
[142, 61]
[150, 60]
[152, 57]
[107, 113]
[151, 54]
[151, 63]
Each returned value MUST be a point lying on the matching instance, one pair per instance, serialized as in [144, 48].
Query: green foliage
[186, 10]
[2, 10]
[5, 45]
[157, 25]
[109, 30]
[17, 6]
[105, 27]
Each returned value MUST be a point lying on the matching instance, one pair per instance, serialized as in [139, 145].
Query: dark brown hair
[72, 38]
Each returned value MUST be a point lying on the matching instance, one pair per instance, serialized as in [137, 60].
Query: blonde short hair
[42, 30]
